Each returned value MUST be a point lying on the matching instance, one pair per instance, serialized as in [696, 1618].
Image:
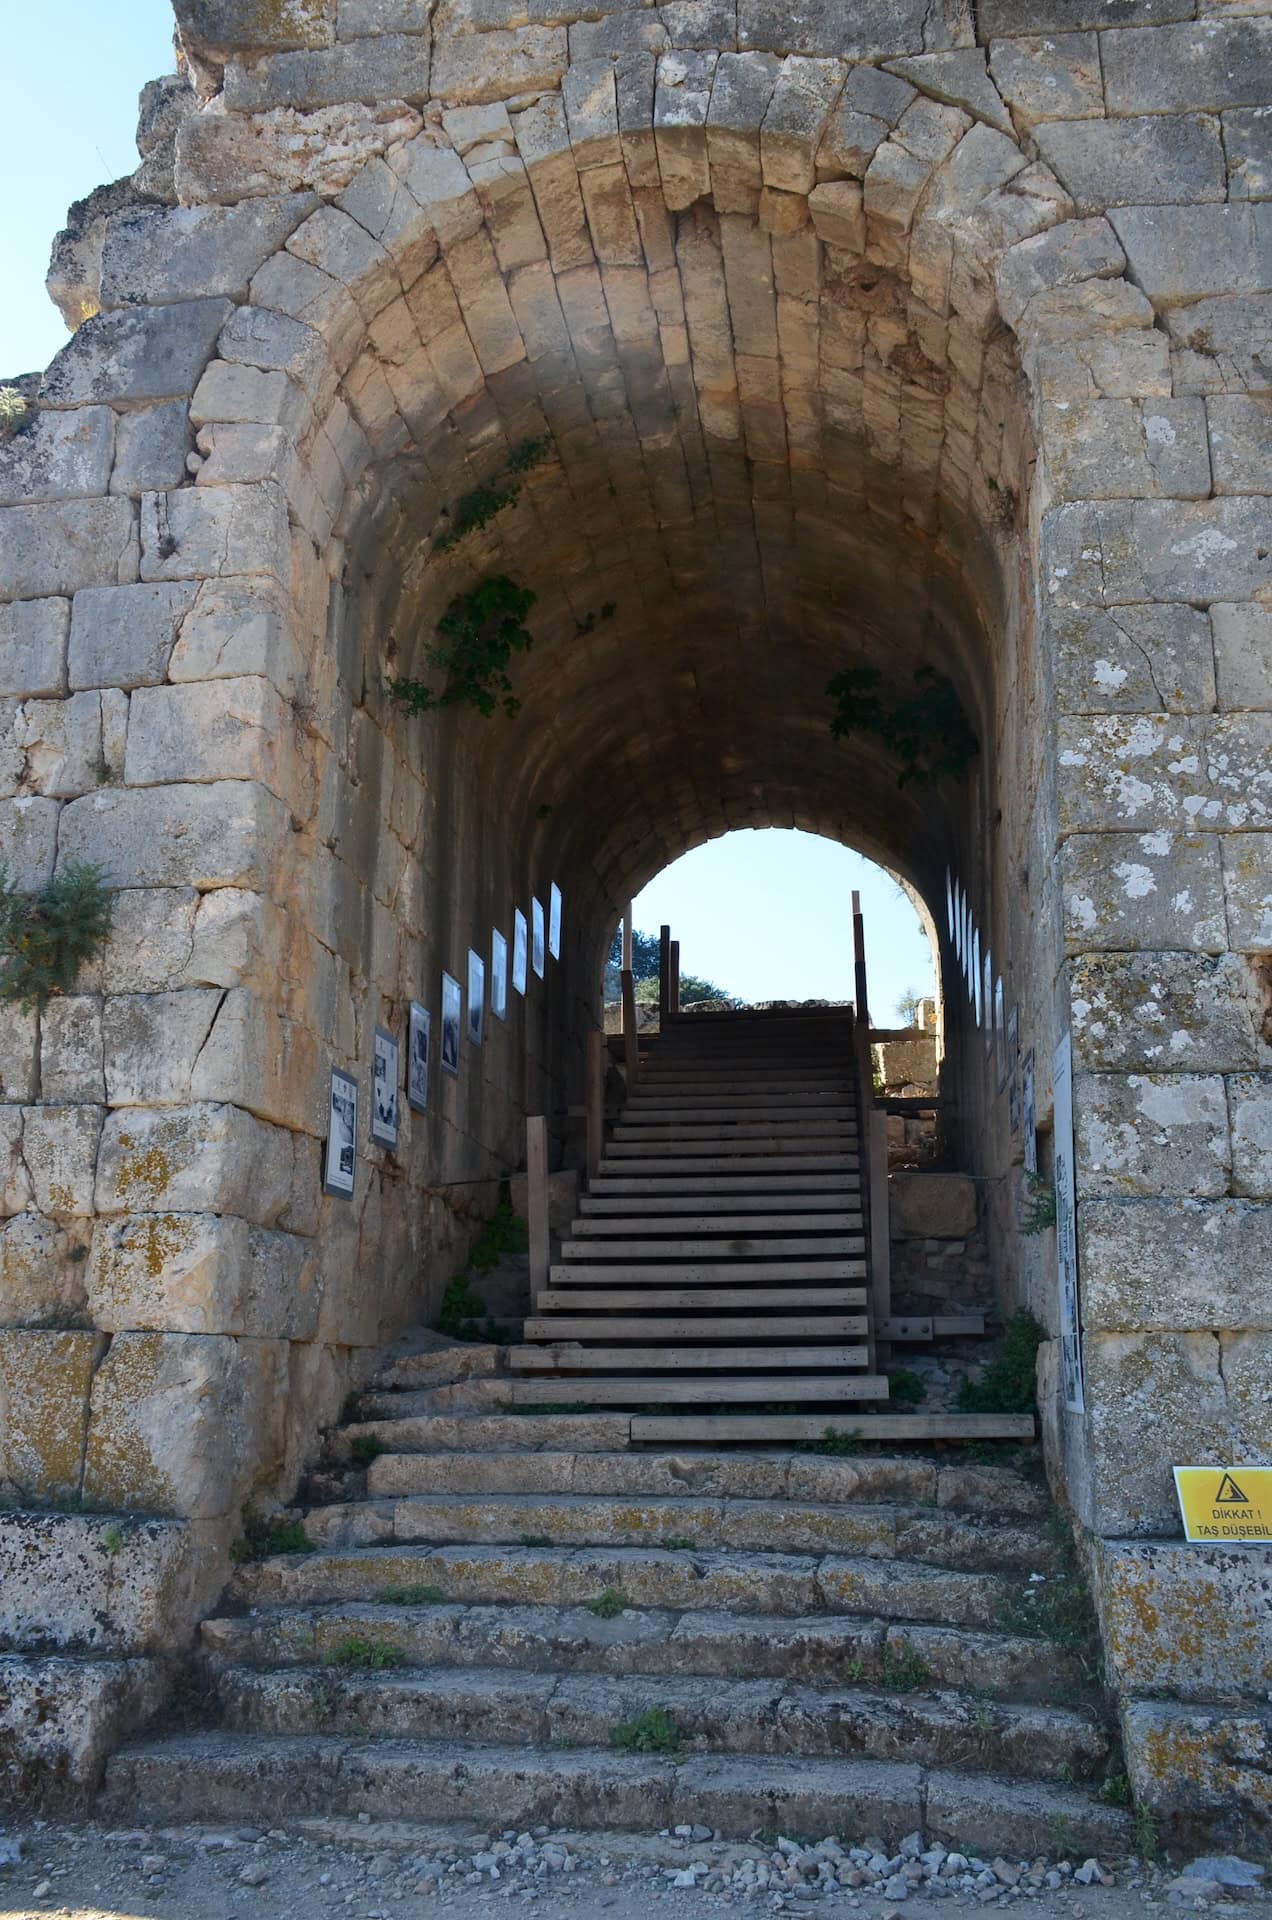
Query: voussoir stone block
[180, 1423]
[224, 833]
[140, 353]
[44, 1385]
[1171, 1265]
[196, 1159]
[58, 456]
[1158, 1133]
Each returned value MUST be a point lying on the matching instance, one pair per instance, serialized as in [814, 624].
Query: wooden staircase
[720, 1257]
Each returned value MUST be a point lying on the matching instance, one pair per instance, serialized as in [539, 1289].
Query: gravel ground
[386, 1872]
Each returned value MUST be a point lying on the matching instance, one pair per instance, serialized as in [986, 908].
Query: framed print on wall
[538, 959]
[554, 921]
[340, 1152]
[498, 975]
[519, 948]
[386, 1065]
[418, 1035]
[452, 1009]
[476, 998]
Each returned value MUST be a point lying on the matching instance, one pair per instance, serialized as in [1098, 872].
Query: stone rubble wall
[783, 257]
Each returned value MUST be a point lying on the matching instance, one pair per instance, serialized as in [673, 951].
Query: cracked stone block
[1117, 449]
[151, 1043]
[225, 833]
[1138, 162]
[1160, 1133]
[58, 744]
[1181, 254]
[1154, 659]
[60, 1718]
[183, 1423]
[122, 636]
[203, 533]
[1049, 76]
[151, 445]
[1171, 1265]
[44, 1386]
[1148, 1011]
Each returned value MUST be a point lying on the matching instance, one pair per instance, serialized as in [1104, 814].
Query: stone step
[428, 1431]
[705, 1523]
[818, 1650]
[225, 1776]
[829, 1390]
[439, 1363]
[712, 1715]
[737, 1582]
[989, 1491]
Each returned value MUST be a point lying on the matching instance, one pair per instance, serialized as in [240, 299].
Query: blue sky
[762, 914]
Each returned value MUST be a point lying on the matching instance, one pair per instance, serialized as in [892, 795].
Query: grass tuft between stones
[653, 1731]
[411, 1595]
[608, 1604]
[358, 1653]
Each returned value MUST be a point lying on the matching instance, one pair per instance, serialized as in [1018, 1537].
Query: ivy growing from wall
[928, 730]
[476, 639]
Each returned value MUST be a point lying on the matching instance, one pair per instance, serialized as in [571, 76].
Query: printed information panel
[1233, 1504]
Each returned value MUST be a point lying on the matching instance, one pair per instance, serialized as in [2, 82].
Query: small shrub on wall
[47, 935]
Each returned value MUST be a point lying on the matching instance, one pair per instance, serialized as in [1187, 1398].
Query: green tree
[645, 956]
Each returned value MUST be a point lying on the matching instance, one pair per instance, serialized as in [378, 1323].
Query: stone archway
[792, 324]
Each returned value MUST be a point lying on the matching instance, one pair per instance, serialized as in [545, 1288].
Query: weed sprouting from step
[607, 1605]
[505, 1233]
[355, 1651]
[536, 1540]
[1147, 1837]
[261, 1537]
[834, 1441]
[1058, 1607]
[113, 1540]
[653, 1731]
[1007, 1383]
[410, 1596]
[1115, 1788]
[678, 1544]
[364, 1448]
[905, 1388]
[904, 1672]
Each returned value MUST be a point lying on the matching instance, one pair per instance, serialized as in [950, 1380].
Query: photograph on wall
[537, 955]
[476, 997]
[498, 975]
[1000, 1034]
[554, 922]
[386, 1065]
[417, 1045]
[519, 946]
[342, 1133]
[452, 1009]
[1013, 1068]
[1028, 1122]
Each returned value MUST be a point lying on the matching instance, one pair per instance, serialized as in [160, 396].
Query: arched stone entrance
[797, 356]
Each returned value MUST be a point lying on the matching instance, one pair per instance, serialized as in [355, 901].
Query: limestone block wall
[943, 336]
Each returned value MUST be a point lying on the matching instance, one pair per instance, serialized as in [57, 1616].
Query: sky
[764, 915]
[68, 119]
[768, 915]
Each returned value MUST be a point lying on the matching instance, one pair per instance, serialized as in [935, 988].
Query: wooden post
[537, 1202]
[627, 938]
[664, 974]
[631, 1036]
[595, 1100]
[673, 977]
[859, 962]
[880, 1224]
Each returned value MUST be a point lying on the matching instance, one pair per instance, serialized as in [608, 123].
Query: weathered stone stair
[496, 1594]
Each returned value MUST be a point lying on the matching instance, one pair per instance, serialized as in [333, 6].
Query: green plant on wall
[46, 935]
[928, 732]
[1038, 1213]
[476, 639]
[479, 507]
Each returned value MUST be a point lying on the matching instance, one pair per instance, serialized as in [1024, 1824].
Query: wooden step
[635, 1207]
[703, 1273]
[686, 1299]
[832, 1127]
[662, 1389]
[571, 1358]
[725, 1183]
[938, 1326]
[808, 1246]
[805, 1150]
[790, 1220]
[647, 1102]
[765, 1428]
[747, 1113]
[740, 1165]
[716, 1326]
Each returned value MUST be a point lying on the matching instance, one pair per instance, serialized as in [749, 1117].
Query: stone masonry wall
[769, 280]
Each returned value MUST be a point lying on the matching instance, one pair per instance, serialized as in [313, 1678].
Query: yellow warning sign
[1226, 1503]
